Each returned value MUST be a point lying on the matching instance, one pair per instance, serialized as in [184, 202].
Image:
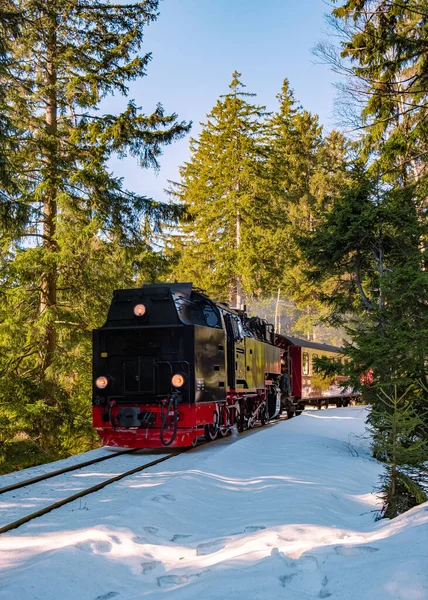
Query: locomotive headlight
[102, 382]
[178, 380]
[140, 310]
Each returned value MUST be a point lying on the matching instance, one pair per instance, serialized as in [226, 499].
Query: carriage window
[314, 356]
[305, 363]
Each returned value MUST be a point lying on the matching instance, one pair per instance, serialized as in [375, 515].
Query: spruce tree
[221, 192]
[374, 240]
[9, 28]
[306, 171]
[83, 232]
[399, 440]
[384, 49]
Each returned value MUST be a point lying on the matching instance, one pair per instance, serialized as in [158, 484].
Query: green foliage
[400, 439]
[369, 244]
[254, 181]
[222, 192]
[20, 453]
[70, 233]
[386, 46]
[329, 368]
[306, 172]
[9, 28]
[373, 241]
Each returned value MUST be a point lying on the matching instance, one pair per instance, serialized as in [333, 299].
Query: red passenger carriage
[305, 386]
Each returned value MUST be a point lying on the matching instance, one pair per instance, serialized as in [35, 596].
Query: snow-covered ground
[17, 504]
[286, 511]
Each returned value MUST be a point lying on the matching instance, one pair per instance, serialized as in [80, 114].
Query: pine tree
[83, 233]
[221, 191]
[9, 27]
[306, 171]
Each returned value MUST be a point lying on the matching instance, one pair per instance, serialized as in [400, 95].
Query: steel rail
[91, 490]
[25, 482]
[43, 477]
[99, 486]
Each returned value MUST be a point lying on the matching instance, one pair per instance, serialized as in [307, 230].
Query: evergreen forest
[322, 232]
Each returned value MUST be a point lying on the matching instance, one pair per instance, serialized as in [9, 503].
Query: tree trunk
[49, 276]
[393, 488]
[277, 313]
[239, 298]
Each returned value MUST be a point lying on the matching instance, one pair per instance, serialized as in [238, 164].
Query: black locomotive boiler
[170, 365]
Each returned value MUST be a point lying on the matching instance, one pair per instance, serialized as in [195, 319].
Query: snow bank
[282, 512]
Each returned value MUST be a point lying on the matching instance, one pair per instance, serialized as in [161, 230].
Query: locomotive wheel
[264, 417]
[239, 419]
[224, 432]
[212, 430]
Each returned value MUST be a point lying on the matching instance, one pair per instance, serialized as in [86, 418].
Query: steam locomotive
[171, 365]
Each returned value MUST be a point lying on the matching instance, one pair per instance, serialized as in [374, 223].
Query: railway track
[44, 476]
[81, 493]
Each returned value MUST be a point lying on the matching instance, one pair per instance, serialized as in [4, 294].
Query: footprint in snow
[149, 566]
[307, 563]
[139, 539]
[169, 580]
[163, 497]
[354, 550]
[107, 596]
[179, 536]
[95, 547]
[287, 540]
[115, 539]
[151, 530]
[324, 593]
[211, 547]
[285, 579]
[252, 528]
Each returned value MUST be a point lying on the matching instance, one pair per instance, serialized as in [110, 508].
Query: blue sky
[197, 44]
